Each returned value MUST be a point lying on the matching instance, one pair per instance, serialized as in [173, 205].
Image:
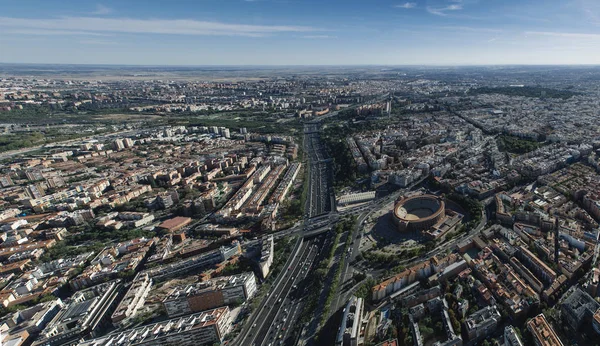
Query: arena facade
[426, 214]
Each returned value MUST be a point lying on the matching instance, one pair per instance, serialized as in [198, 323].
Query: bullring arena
[418, 213]
[426, 214]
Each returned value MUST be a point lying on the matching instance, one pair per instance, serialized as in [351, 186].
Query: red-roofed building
[175, 224]
[391, 342]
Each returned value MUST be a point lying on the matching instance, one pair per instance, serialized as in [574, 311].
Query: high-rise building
[128, 143]
[222, 130]
[118, 144]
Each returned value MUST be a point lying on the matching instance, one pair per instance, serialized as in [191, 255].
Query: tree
[426, 331]
[47, 298]
[455, 323]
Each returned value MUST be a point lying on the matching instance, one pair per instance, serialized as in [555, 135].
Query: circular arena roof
[418, 208]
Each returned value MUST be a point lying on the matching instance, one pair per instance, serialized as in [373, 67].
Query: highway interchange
[275, 321]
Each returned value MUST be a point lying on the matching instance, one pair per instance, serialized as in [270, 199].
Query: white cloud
[454, 7]
[470, 29]
[442, 11]
[563, 34]
[449, 6]
[102, 10]
[40, 32]
[528, 18]
[319, 37]
[147, 26]
[97, 42]
[407, 5]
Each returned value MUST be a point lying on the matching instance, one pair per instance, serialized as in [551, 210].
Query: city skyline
[340, 205]
[287, 32]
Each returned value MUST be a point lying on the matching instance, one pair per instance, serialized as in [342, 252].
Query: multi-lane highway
[250, 334]
[320, 194]
[275, 318]
[272, 321]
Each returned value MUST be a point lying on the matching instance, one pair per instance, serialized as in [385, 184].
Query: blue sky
[301, 32]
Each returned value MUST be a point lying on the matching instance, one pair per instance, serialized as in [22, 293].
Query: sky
[300, 32]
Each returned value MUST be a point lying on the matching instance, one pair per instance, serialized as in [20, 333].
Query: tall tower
[556, 246]
[388, 107]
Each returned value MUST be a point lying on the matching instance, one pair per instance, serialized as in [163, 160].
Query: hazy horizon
[307, 65]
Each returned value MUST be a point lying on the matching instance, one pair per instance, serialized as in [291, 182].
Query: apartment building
[207, 295]
[203, 328]
[349, 331]
[482, 323]
[83, 315]
[133, 299]
[543, 334]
